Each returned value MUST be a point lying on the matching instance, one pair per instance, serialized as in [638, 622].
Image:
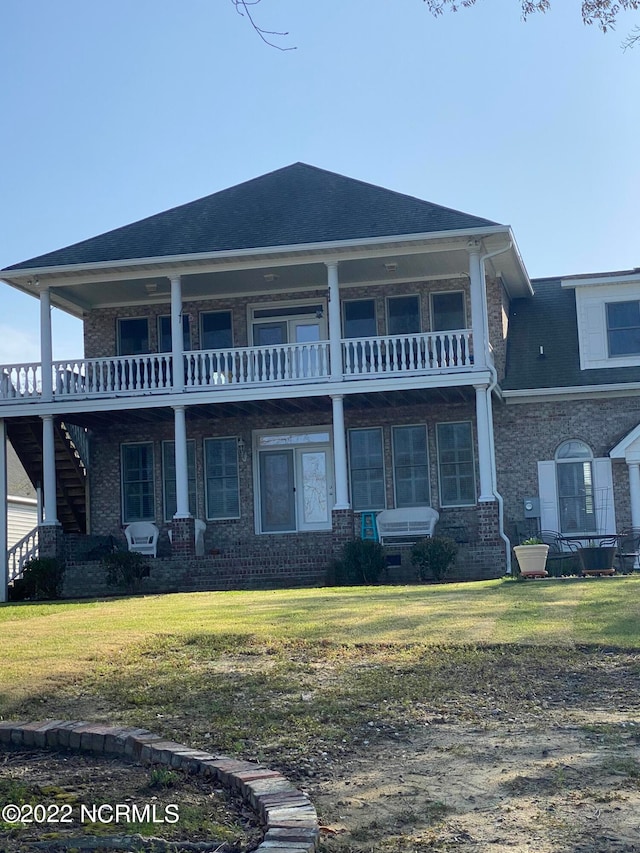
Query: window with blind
[366, 458]
[169, 478]
[221, 477]
[137, 482]
[410, 466]
[456, 468]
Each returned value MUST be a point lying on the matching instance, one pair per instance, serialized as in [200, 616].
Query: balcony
[373, 358]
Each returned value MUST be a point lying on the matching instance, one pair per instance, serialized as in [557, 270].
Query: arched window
[574, 474]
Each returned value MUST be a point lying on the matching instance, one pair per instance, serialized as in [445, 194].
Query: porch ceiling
[275, 408]
[415, 259]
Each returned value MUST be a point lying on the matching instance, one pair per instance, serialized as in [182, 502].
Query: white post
[182, 465]
[177, 342]
[46, 346]
[634, 490]
[49, 471]
[483, 414]
[4, 566]
[477, 309]
[335, 324]
[340, 454]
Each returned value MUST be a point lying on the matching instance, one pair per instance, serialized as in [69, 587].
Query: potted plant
[597, 558]
[532, 558]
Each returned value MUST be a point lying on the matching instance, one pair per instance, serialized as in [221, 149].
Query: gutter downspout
[492, 385]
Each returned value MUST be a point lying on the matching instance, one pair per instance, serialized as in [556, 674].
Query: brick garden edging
[287, 814]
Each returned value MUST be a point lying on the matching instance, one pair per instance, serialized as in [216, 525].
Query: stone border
[289, 817]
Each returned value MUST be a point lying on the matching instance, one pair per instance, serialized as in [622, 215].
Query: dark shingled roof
[548, 320]
[294, 205]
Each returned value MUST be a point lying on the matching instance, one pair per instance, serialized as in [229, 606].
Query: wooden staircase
[25, 434]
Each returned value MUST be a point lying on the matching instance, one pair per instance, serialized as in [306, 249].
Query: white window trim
[289, 303]
[201, 314]
[384, 467]
[448, 293]
[393, 461]
[206, 479]
[153, 479]
[190, 441]
[162, 317]
[119, 342]
[591, 312]
[343, 304]
[405, 296]
[473, 466]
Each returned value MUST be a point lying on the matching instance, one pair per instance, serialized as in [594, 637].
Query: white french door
[294, 483]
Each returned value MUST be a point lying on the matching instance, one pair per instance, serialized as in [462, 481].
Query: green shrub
[41, 579]
[362, 562]
[125, 569]
[434, 557]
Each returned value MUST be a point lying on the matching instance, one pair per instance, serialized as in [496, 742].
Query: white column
[340, 454]
[4, 567]
[49, 471]
[477, 304]
[335, 325]
[634, 489]
[182, 465]
[46, 346]
[177, 342]
[485, 451]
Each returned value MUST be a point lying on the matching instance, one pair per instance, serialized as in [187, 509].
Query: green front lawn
[284, 675]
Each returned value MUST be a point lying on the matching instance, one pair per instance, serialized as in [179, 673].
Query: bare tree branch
[603, 13]
[242, 8]
[632, 39]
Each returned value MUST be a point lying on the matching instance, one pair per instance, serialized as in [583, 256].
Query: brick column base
[342, 522]
[51, 541]
[183, 537]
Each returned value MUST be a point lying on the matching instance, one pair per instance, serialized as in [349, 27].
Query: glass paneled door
[295, 482]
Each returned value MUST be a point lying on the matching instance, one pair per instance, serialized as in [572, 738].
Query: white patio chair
[142, 536]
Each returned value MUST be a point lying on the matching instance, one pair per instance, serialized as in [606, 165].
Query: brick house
[285, 355]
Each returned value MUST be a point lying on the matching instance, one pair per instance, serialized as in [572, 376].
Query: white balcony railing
[256, 365]
[431, 352]
[407, 353]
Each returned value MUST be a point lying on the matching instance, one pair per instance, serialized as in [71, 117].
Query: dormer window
[623, 328]
[608, 315]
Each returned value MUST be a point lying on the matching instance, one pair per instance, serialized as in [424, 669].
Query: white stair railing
[26, 549]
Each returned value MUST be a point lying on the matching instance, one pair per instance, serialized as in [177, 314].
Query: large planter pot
[532, 560]
[597, 560]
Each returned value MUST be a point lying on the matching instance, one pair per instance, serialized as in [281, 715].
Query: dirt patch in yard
[549, 784]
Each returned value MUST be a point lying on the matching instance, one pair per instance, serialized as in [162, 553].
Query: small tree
[434, 557]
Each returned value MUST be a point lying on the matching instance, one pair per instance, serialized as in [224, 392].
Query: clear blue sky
[115, 110]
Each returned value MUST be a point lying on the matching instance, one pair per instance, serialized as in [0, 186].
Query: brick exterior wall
[100, 325]
[531, 432]
[236, 539]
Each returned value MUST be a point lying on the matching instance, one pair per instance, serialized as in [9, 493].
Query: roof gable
[298, 204]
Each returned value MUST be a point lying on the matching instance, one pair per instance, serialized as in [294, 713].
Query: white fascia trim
[240, 394]
[526, 395]
[337, 245]
[633, 278]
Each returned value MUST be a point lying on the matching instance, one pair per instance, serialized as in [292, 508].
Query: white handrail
[26, 549]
